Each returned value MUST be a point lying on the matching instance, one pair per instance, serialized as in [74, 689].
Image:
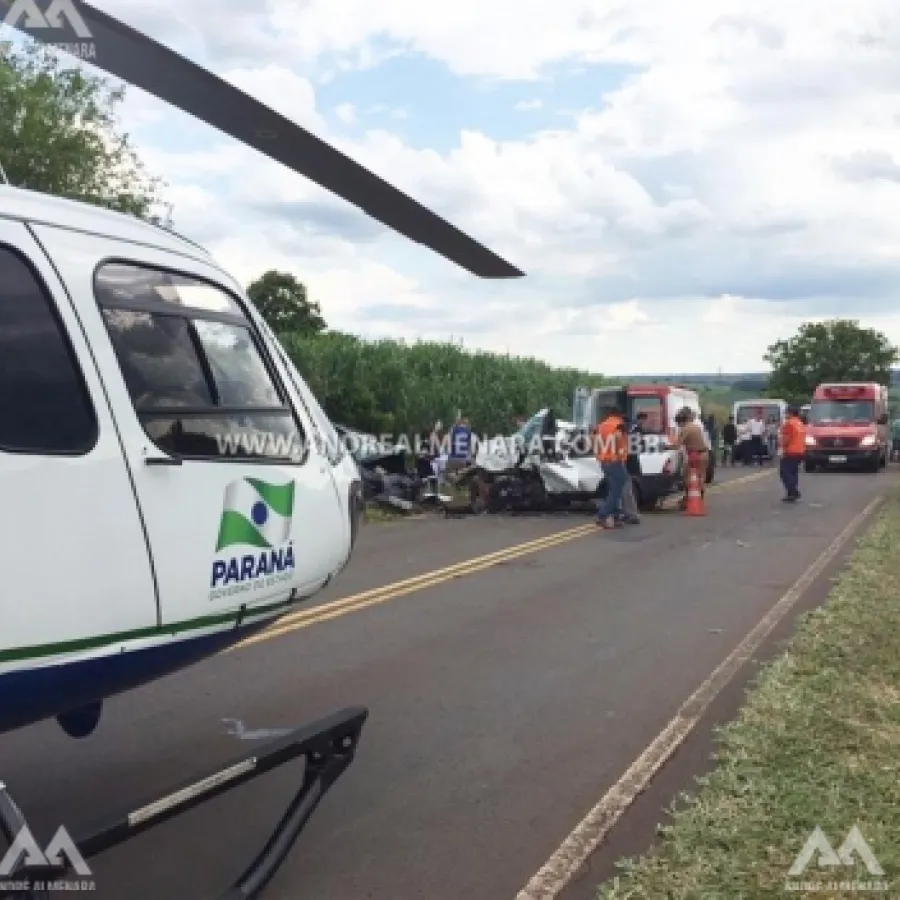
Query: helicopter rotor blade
[75, 26]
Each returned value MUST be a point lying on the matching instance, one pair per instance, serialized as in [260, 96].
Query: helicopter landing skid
[328, 747]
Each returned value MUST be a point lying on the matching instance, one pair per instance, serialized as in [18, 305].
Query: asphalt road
[503, 702]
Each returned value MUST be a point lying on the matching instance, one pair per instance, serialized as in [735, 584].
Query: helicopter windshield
[237, 368]
[196, 374]
[197, 296]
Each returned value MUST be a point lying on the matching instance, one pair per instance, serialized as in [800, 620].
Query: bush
[392, 387]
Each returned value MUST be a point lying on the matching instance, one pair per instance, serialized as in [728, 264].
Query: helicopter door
[77, 575]
[241, 510]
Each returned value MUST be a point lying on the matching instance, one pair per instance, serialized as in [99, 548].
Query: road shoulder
[814, 746]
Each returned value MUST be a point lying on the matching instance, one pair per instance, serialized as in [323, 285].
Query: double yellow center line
[355, 602]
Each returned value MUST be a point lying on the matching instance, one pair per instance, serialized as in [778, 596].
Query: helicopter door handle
[162, 461]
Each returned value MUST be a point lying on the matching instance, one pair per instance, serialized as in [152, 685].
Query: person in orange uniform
[612, 453]
[792, 445]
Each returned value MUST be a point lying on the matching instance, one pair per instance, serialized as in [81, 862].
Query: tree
[59, 134]
[281, 300]
[838, 350]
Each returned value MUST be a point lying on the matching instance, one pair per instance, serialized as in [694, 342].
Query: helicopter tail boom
[327, 746]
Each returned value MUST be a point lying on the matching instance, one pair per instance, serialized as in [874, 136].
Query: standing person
[895, 440]
[744, 446]
[713, 431]
[757, 433]
[436, 449]
[772, 432]
[460, 449]
[696, 454]
[612, 453]
[629, 512]
[729, 439]
[549, 430]
[793, 449]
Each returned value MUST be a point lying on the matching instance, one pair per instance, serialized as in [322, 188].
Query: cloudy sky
[683, 183]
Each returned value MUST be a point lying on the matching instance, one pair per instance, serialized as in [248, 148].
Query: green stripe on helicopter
[98, 642]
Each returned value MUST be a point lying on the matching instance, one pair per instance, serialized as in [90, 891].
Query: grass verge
[374, 513]
[816, 744]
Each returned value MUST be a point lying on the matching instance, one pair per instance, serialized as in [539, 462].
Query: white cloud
[346, 112]
[391, 112]
[751, 154]
[285, 91]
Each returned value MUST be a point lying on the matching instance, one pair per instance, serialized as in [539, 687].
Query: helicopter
[177, 485]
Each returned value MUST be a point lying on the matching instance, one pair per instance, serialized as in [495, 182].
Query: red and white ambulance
[848, 427]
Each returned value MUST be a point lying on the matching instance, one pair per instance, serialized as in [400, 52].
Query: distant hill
[737, 380]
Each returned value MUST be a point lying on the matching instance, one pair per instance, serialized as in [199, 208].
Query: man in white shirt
[757, 433]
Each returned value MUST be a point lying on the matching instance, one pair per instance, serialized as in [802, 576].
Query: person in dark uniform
[712, 430]
[628, 511]
[729, 441]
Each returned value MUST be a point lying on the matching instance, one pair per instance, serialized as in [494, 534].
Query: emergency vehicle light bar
[846, 391]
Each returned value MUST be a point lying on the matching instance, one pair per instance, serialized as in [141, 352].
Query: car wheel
[478, 495]
[644, 504]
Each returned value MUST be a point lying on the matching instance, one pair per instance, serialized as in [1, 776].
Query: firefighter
[691, 440]
[792, 445]
[612, 453]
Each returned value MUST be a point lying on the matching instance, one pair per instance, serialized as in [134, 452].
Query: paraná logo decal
[256, 518]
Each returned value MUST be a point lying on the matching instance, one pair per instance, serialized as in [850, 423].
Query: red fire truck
[848, 427]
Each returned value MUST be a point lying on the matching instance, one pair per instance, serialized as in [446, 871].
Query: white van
[744, 411]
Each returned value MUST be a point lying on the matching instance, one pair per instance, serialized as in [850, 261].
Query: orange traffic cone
[695, 505]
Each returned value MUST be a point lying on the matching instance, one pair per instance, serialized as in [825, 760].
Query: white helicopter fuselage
[169, 483]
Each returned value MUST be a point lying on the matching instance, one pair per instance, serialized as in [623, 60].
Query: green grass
[817, 743]
[374, 513]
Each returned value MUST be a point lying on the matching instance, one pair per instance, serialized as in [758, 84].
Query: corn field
[390, 387]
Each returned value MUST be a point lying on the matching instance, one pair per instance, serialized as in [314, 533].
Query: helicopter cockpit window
[237, 369]
[194, 367]
[44, 403]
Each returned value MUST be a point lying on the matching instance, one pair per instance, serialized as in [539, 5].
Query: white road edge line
[561, 868]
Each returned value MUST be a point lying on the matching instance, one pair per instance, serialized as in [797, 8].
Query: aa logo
[34, 19]
[26, 846]
[854, 848]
